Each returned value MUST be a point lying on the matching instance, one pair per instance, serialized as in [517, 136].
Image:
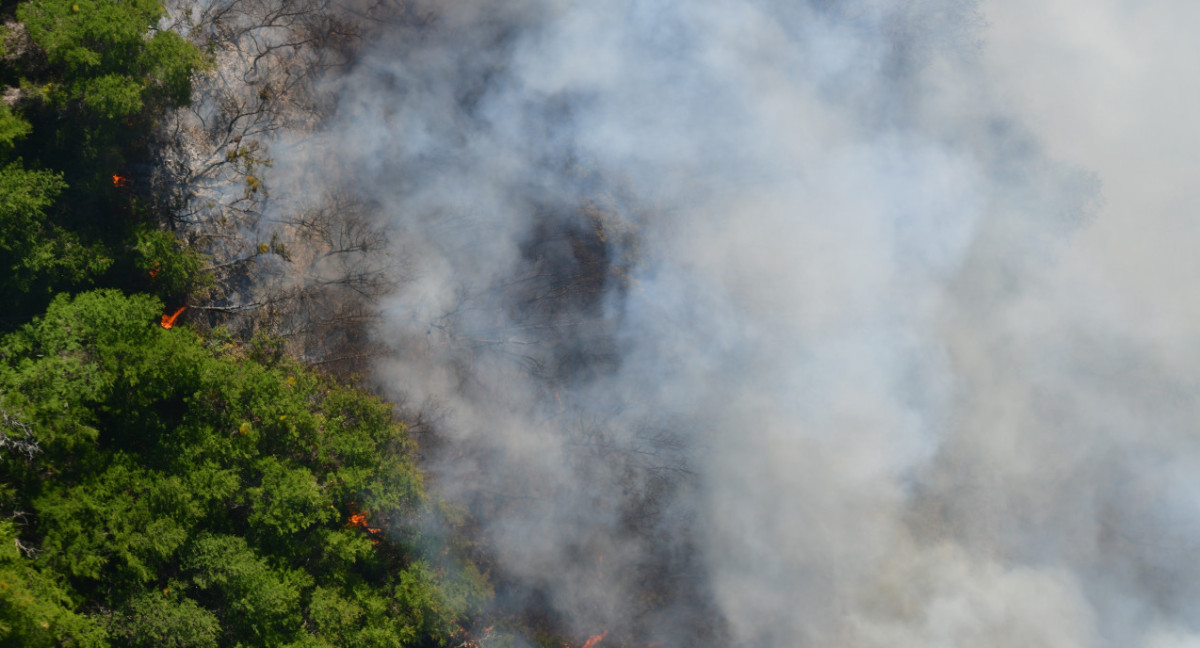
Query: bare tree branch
[17, 435]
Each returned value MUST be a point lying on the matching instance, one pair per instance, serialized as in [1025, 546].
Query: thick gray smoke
[762, 323]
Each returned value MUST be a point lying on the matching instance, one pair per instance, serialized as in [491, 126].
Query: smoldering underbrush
[306, 266]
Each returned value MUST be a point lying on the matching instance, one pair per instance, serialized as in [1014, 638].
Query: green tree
[164, 620]
[109, 57]
[35, 610]
[87, 84]
[181, 488]
[35, 249]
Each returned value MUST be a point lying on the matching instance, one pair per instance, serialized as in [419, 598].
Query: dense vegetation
[83, 82]
[160, 487]
[191, 492]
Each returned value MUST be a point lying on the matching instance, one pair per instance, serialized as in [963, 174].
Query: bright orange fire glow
[594, 640]
[169, 320]
[360, 520]
[120, 181]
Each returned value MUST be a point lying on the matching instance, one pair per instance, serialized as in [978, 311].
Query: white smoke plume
[817, 323]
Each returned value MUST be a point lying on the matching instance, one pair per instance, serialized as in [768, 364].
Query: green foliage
[172, 268]
[12, 127]
[171, 61]
[109, 55]
[288, 499]
[162, 620]
[188, 495]
[123, 521]
[259, 604]
[168, 489]
[36, 251]
[93, 75]
[112, 95]
[35, 610]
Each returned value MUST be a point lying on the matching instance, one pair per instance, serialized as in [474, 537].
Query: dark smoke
[756, 323]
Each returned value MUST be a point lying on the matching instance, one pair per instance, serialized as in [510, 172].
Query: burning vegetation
[359, 519]
[168, 321]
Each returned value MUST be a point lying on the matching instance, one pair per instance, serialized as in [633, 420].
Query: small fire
[594, 640]
[360, 520]
[465, 641]
[120, 181]
[169, 320]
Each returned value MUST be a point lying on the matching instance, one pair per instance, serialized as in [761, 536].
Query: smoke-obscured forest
[549, 323]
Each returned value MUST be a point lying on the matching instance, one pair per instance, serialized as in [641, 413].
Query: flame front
[120, 181]
[169, 320]
[594, 640]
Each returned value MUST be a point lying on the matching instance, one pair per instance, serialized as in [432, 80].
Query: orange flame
[169, 320]
[360, 520]
[595, 640]
[120, 181]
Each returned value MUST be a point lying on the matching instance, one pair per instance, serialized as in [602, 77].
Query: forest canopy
[173, 486]
[163, 487]
[84, 83]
